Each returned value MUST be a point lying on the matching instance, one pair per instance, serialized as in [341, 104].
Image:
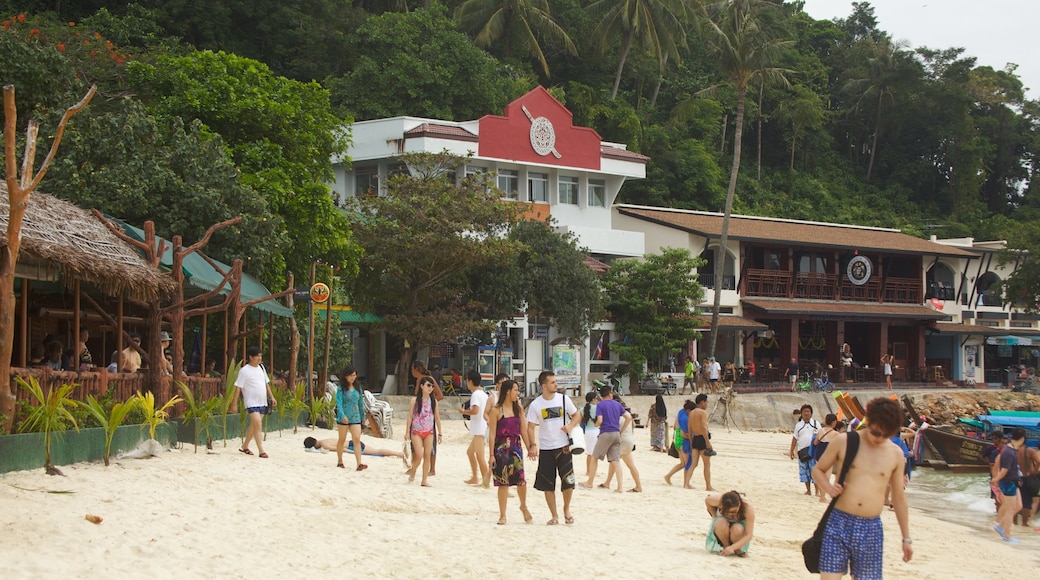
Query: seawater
[960, 498]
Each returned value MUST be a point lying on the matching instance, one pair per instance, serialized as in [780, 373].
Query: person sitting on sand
[324, 445]
[732, 524]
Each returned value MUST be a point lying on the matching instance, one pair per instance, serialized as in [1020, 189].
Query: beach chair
[380, 416]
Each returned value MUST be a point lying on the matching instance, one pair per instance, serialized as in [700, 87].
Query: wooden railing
[124, 385]
[814, 286]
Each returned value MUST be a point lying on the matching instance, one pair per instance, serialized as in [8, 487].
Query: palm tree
[804, 111]
[656, 24]
[745, 37]
[877, 86]
[512, 21]
[50, 413]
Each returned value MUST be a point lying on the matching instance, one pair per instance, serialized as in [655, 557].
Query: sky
[996, 32]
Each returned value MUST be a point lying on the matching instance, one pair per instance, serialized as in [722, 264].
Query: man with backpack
[804, 431]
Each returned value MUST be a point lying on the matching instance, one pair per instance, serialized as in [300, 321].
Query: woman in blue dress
[507, 437]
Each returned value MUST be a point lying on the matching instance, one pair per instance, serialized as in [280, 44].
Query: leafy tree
[653, 304]
[422, 243]
[876, 86]
[413, 63]
[137, 167]
[746, 39]
[549, 274]
[656, 25]
[281, 135]
[804, 112]
[518, 22]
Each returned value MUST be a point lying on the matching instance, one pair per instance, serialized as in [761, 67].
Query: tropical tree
[51, 413]
[653, 303]
[657, 25]
[200, 413]
[513, 21]
[153, 416]
[877, 85]
[421, 242]
[746, 40]
[803, 112]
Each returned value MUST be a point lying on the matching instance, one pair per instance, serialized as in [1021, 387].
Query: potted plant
[50, 414]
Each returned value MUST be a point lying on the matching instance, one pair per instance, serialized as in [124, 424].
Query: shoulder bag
[811, 548]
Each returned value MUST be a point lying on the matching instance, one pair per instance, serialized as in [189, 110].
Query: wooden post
[328, 336]
[24, 328]
[310, 337]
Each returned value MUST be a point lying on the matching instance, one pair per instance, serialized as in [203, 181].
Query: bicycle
[805, 384]
[823, 385]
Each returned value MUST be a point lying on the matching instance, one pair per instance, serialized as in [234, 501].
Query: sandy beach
[223, 514]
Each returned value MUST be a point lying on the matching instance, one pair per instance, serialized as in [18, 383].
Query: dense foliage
[866, 131]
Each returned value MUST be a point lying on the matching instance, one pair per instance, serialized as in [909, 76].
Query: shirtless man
[854, 533]
[313, 445]
[700, 441]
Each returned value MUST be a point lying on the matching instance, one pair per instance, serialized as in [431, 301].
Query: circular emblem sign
[859, 270]
[543, 135]
[320, 292]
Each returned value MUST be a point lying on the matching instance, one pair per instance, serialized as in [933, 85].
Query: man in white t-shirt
[714, 373]
[255, 388]
[478, 402]
[549, 413]
[801, 446]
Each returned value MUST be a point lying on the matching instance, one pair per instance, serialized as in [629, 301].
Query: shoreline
[294, 515]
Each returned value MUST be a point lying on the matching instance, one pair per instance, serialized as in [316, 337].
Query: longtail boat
[956, 452]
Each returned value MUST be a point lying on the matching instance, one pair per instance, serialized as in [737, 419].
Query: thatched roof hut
[70, 239]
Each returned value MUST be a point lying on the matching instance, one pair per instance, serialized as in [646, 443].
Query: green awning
[346, 315]
[202, 275]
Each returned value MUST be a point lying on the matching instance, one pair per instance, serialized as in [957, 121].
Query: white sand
[228, 515]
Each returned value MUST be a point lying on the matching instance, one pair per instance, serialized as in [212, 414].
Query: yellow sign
[320, 292]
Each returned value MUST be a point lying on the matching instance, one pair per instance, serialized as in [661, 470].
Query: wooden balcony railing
[813, 286]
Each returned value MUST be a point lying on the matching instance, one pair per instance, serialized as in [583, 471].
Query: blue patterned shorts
[854, 540]
[805, 470]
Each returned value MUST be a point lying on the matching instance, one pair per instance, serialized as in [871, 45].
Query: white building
[539, 158]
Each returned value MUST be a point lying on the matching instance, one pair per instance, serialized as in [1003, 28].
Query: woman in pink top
[424, 424]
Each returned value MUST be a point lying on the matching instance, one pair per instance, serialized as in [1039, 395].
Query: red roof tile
[442, 131]
[622, 154]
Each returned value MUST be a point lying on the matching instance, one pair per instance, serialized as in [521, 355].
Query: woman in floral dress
[507, 429]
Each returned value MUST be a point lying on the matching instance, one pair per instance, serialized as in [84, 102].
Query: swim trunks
[1008, 488]
[854, 540]
[699, 443]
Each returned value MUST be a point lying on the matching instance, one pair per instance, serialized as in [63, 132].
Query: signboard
[566, 365]
[302, 295]
[320, 293]
[859, 270]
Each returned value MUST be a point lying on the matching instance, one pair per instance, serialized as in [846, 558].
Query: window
[569, 190]
[475, 170]
[538, 186]
[597, 193]
[509, 183]
[366, 181]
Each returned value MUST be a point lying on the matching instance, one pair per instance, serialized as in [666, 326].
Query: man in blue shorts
[853, 538]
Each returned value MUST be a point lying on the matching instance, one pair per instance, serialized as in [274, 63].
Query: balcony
[708, 281]
[813, 286]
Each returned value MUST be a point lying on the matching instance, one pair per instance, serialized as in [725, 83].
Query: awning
[1014, 340]
[201, 275]
[731, 322]
[830, 310]
[951, 328]
[347, 315]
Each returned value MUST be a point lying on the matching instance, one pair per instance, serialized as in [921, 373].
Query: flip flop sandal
[362, 467]
[262, 455]
[246, 451]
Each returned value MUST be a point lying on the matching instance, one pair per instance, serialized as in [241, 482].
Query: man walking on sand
[854, 533]
[801, 441]
[700, 441]
[608, 445]
[478, 429]
[714, 374]
[550, 413]
[255, 388]
[690, 375]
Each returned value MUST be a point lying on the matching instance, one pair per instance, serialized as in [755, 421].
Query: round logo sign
[320, 292]
[543, 135]
[859, 270]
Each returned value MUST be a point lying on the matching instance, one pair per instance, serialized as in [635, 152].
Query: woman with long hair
[419, 371]
[588, 426]
[424, 427]
[682, 444]
[507, 429]
[732, 523]
[658, 424]
[350, 413]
